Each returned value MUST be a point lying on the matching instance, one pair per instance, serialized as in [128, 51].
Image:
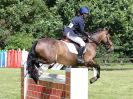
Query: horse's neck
[97, 37]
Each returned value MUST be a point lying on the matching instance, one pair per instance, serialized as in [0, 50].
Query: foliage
[116, 15]
[19, 40]
[67, 9]
[46, 18]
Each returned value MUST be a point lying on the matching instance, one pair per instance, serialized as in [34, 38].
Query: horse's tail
[32, 63]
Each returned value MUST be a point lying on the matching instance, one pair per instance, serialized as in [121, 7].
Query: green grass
[9, 83]
[112, 85]
[116, 84]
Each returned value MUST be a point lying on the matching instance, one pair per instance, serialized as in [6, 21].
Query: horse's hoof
[92, 80]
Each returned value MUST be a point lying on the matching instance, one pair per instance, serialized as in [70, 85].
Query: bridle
[93, 40]
[106, 44]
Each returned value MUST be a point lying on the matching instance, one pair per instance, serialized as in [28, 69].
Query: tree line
[24, 21]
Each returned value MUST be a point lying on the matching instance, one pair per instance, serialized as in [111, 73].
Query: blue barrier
[2, 58]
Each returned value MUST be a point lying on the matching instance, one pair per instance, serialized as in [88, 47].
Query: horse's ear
[106, 28]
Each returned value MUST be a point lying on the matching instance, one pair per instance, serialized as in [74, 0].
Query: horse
[50, 50]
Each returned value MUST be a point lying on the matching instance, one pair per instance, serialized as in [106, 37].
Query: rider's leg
[81, 49]
[80, 55]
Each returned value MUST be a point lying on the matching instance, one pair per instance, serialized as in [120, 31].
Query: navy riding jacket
[76, 27]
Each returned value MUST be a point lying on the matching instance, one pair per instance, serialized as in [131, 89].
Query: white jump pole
[24, 60]
[78, 83]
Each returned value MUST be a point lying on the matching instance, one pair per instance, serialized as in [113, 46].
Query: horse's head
[106, 40]
[102, 36]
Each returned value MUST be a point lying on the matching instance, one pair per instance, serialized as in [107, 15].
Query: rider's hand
[88, 34]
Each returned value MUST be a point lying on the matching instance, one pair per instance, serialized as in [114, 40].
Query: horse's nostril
[112, 48]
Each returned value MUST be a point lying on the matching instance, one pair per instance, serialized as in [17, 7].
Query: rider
[75, 29]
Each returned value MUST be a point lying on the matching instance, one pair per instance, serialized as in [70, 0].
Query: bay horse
[49, 50]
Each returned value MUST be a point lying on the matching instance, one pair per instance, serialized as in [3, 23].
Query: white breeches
[76, 39]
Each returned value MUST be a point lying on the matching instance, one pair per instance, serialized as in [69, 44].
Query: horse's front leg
[96, 71]
[96, 75]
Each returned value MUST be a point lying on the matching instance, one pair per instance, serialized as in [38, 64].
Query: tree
[47, 18]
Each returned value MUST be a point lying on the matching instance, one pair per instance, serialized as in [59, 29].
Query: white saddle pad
[71, 47]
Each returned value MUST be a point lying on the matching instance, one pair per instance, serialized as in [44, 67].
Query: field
[113, 85]
[9, 83]
[116, 84]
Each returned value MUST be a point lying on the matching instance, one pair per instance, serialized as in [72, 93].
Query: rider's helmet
[84, 10]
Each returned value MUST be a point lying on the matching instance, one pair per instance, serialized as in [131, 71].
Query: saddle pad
[71, 47]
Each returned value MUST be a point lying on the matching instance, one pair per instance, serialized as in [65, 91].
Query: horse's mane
[97, 31]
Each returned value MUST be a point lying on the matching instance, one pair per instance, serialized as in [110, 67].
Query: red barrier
[8, 58]
[14, 58]
[19, 56]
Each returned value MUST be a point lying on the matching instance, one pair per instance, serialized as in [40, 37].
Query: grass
[112, 85]
[9, 83]
[116, 84]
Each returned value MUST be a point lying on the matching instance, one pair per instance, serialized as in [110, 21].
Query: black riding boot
[80, 55]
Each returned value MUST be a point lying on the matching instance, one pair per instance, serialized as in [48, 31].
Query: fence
[73, 86]
[12, 58]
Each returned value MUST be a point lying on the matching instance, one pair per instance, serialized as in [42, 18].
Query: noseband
[107, 43]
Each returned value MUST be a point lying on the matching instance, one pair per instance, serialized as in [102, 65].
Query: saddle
[71, 44]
